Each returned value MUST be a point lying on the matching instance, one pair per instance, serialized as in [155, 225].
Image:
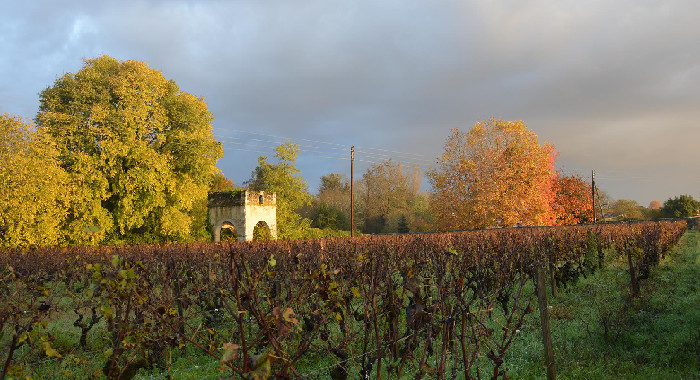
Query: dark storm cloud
[614, 85]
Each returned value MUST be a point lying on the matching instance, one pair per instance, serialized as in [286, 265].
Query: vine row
[371, 306]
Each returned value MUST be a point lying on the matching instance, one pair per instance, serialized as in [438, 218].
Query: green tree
[292, 194]
[403, 225]
[627, 209]
[34, 190]
[333, 182]
[330, 207]
[201, 228]
[140, 152]
[385, 192]
[219, 182]
[261, 232]
[328, 216]
[681, 207]
[334, 190]
[654, 211]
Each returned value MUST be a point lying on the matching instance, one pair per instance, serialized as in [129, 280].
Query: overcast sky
[614, 85]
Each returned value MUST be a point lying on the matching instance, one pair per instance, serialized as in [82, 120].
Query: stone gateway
[240, 211]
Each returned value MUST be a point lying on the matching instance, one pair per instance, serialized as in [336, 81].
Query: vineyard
[400, 306]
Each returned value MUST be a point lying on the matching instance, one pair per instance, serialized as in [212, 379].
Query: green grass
[599, 332]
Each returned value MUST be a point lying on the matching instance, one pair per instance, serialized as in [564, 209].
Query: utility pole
[352, 203]
[593, 192]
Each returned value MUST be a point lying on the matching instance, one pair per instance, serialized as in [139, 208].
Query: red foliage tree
[572, 200]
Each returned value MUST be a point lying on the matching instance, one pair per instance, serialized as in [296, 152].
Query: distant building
[242, 210]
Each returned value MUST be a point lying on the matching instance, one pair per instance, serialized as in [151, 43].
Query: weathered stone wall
[243, 210]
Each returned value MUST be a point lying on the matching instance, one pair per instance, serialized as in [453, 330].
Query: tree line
[683, 206]
[119, 154]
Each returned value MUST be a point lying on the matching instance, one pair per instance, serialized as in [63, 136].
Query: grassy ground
[598, 332]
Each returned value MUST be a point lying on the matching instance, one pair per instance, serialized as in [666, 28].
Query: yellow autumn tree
[495, 175]
[34, 192]
[140, 152]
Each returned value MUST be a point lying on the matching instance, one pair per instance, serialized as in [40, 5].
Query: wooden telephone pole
[352, 203]
[593, 193]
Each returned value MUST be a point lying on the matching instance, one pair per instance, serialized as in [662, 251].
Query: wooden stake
[544, 321]
[552, 280]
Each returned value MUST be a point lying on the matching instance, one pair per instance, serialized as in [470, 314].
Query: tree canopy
[329, 209]
[681, 207]
[139, 151]
[627, 209]
[34, 190]
[292, 194]
[221, 183]
[572, 199]
[330, 217]
[655, 205]
[385, 192]
[334, 191]
[496, 174]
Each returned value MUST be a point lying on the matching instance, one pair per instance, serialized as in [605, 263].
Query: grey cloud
[613, 85]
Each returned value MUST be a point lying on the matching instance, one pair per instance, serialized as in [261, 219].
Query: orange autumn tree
[572, 200]
[655, 205]
[495, 175]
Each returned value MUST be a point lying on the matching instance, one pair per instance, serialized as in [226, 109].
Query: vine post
[634, 281]
[544, 321]
[552, 279]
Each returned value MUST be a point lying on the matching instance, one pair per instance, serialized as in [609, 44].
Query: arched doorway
[261, 232]
[228, 232]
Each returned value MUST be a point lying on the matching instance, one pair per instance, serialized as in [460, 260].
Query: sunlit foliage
[292, 194]
[627, 209]
[572, 199]
[34, 190]
[139, 151]
[495, 175]
[681, 207]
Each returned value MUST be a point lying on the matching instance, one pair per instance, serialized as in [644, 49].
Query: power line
[347, 147]
[369, 154]
[380, 155]
[299, 150]
[624, 178]
[287, 138]
[301, 145]
[378, 158]
[272, 147]
[319, 156]
[417, 155]
[246, 150]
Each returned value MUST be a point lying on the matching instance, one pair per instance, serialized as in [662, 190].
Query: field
[314, 315]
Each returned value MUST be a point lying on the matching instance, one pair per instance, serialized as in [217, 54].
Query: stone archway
[227, 232]
[242, 210]
[261, 232]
